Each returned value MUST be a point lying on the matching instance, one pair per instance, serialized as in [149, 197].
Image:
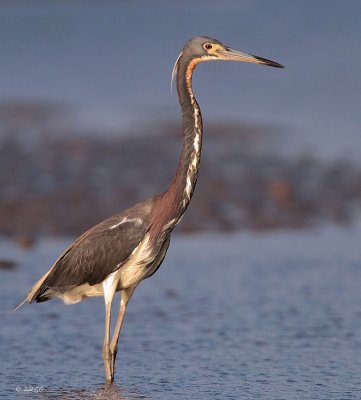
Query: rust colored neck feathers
[171, 205]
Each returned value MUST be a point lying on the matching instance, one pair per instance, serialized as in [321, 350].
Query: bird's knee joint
[114, 350]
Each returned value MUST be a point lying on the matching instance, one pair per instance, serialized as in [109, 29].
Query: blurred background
[259, 298]
[88, 124]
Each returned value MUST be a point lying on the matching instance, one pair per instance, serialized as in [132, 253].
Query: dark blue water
[246, 316]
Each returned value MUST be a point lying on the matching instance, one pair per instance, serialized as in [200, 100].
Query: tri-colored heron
[118, 253]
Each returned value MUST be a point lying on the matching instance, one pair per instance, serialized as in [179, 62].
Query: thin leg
[125, 296]
[106, 350]
[109, 287]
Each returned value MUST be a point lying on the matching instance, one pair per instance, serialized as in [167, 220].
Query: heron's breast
[141, 264]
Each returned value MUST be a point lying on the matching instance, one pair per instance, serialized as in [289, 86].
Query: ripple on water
[276, 325]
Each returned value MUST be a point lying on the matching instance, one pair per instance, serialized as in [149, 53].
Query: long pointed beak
[230, 54]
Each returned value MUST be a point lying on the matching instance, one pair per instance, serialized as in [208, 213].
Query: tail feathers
[45, 295]
[34, 296]
[38, 297]
[40, 291]
[37, 293]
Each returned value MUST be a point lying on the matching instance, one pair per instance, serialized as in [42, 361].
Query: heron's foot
[108, 362]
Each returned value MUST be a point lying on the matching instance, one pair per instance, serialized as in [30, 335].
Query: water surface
[244, 316]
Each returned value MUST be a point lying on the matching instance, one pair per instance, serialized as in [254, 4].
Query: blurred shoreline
[55, 180]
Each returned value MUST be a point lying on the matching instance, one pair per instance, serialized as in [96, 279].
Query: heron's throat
[170, 206]
[192, 128]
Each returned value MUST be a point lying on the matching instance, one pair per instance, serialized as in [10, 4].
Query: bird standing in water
[121, 251]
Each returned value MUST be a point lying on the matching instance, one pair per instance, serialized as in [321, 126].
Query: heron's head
[204, 48]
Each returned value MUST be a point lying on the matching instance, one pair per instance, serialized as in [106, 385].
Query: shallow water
[246, 316]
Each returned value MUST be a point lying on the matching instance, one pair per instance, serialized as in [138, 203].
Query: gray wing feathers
[96, 254]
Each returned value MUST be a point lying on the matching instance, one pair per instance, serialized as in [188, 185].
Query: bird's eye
[207, 46]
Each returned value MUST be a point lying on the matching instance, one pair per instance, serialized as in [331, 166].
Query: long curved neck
[173, 203]
[192, 129]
